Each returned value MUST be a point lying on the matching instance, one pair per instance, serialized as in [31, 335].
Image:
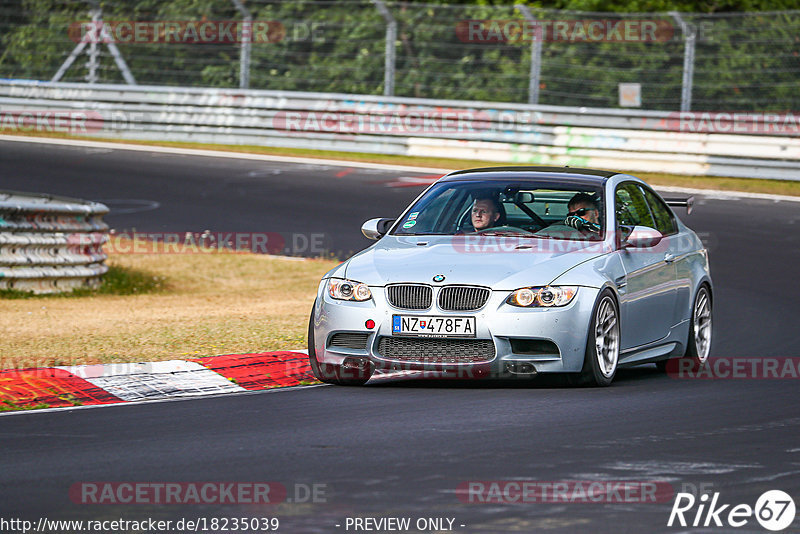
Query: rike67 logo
[774, 510]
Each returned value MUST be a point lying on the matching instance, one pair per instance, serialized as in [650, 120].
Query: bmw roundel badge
[438, 278]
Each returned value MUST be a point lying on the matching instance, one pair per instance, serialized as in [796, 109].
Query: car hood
[502, 263]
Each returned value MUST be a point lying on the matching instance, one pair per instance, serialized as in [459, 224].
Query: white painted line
[732, 195]
[221, 154]
[725, 195]
[156, 401]
[772, 478]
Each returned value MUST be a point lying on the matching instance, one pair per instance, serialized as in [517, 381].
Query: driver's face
[592, 214]
[484, 214]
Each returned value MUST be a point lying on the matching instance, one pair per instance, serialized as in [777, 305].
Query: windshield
[513, 208]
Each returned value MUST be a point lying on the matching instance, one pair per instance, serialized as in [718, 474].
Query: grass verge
[166, 306]
[750, 185]
[11, 406]
[119, 280]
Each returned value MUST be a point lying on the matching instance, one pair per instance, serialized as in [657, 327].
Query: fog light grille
[349, 340]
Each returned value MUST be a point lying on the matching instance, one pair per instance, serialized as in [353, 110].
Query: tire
[698, 347]
[602, 346]
[698, 344]
[330, 373]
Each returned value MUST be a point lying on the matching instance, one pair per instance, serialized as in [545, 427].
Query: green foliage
[742, 62]
[651, 6]
[125, 281]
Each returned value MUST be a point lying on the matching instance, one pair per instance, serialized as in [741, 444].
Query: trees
[743, 62]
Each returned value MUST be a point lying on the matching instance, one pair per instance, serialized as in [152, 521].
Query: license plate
[423, 325]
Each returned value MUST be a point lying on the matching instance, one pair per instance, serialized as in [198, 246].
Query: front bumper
[553, 340]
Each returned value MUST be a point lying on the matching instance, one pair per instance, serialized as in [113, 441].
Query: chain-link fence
[661, 61]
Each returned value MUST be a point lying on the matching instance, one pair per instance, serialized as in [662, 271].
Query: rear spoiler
[685, 202]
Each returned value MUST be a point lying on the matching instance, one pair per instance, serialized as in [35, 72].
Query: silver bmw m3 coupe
[515, 271]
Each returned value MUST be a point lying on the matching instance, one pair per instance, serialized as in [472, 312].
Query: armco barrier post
[247, 33]
[690, 39]
[50, 244]
[536, 56]
[391, 37]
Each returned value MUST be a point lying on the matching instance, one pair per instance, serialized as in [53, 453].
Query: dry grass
[211, 304]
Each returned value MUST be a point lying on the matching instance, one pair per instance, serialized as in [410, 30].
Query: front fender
[600, 272]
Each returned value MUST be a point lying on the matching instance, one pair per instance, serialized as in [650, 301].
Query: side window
[631, 206]
[665, 222]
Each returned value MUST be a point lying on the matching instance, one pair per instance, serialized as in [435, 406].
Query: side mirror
[642, 237]
[376, 228]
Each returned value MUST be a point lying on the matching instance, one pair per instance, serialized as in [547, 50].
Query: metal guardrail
[50, 244]
[635, 140]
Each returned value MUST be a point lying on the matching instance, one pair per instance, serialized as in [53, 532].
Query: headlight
[543, 297]
[348, 290]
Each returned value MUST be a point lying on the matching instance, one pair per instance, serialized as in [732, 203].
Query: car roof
[572, 175]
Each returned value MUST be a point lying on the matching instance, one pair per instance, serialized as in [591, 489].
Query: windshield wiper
[422, 233]
[506, 234]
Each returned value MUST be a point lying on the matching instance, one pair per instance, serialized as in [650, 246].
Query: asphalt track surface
[401, 448]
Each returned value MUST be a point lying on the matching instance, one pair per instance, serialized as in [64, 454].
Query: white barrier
[635, 140]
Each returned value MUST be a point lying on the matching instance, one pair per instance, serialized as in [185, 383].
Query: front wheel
[334, 374]
[602, 347]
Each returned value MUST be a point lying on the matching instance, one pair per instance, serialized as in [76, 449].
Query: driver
[485, 213]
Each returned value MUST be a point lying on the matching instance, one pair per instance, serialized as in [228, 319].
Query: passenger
[584, 213]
